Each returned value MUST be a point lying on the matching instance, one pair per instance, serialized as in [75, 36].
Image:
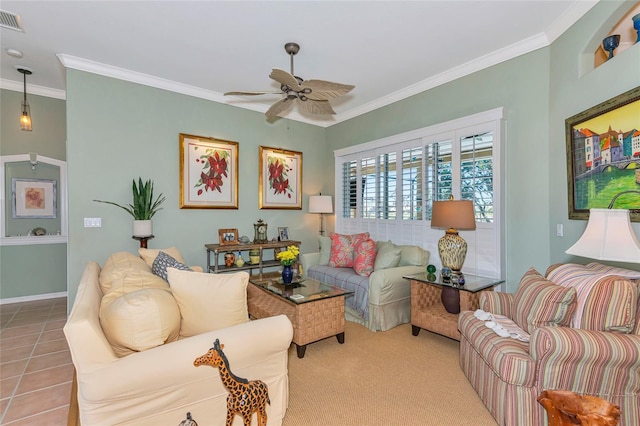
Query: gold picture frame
[603, 155]
[228, 236]
[280, 183]
[208, 173]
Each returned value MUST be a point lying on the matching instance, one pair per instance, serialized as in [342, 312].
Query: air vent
[11, 21]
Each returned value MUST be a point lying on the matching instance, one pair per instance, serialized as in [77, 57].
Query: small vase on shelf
[636, 26]
[287, 274]
[610, 44]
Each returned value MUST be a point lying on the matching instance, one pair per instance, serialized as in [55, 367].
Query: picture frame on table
[228, 236]
[208, 173]
[34, 198]
[280, 182]
[603, 156]
[283, 233]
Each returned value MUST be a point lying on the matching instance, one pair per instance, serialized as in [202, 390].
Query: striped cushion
[539, 302]
[605, 300]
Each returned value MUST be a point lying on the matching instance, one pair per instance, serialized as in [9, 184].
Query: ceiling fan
[312, 95]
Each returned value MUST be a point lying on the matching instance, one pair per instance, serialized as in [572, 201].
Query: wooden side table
[427, 309]
[143, 240]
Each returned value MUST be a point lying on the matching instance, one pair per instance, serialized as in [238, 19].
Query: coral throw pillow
[365, 257]
[342, 248]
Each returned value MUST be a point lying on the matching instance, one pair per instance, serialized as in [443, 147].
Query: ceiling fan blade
[285, 78]
[324, 90]
[278, 108]
[250, 93]
[316, 107]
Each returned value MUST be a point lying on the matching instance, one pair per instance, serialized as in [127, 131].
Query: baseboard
[32, 298]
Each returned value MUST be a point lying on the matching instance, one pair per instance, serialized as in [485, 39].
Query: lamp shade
[608, 236]
[456, 214]
[320, 204]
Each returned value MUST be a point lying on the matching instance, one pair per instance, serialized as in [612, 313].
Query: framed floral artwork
[208, 173]
[280, 179]
[33, 198]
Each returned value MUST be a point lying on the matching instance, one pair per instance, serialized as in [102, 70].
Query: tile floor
[35, 363]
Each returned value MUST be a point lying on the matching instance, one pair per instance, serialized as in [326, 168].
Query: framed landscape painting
[280, 179]
[603, 156]
[33, 198]
[208, 173]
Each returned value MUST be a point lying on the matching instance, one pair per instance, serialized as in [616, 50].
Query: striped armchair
[590, 346]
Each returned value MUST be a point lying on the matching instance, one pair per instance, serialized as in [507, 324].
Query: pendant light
[25, 117]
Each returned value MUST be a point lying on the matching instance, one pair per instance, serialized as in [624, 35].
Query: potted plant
[143, 208]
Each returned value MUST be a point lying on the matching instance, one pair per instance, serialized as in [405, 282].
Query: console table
[215, 250]
[427, 308]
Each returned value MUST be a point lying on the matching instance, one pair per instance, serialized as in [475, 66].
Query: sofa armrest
[157, 379]
[586, 361]
[496, 302]
[388, 285]
[308, 259]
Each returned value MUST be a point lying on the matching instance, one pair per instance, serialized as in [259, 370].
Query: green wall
[575, 90]
[539, 91]
[118, 131]
[33, 269]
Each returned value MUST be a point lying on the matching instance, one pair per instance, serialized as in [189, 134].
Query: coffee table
[315, 309]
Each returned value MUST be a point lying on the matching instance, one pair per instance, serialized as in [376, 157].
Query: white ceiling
[388, 49]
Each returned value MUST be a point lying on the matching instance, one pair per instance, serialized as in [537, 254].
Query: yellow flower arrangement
[288, 256]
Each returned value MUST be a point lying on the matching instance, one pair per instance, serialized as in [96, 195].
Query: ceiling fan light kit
[312, 96]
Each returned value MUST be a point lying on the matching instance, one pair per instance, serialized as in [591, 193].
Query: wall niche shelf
[628, 36]
[16, 230]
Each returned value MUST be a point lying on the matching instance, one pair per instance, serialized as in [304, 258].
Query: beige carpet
[384, 378]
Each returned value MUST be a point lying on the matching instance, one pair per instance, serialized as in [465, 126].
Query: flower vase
[287, 274]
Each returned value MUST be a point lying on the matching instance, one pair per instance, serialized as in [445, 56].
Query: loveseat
[135, 364]
[584, 337]
[381, 298]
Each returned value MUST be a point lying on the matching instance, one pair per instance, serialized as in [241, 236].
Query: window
[457, 159]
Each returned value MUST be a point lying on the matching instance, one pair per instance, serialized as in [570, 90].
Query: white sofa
[380, 301]
[158, 386]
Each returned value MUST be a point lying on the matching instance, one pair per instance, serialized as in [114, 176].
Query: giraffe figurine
[245, 397]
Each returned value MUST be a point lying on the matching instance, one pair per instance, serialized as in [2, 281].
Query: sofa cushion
[413, 256]
[325, 249]
[508, 358]
[365, 257]
[115, 267]
[388, 255]
[209, 301]
[348, 279]
[342, 249]
[149, 255]
[140, 320]
[164, 261]
[605, 300]
[539, 303]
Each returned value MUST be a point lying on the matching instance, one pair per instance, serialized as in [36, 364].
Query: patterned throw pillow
[164, 261]
[365, 257]
[539, 303]
[342, 248]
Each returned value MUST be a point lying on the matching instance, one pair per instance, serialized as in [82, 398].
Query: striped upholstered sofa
[584, 337]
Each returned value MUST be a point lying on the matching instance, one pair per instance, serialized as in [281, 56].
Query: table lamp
[453, 215]
[320, 204]
[608, 236]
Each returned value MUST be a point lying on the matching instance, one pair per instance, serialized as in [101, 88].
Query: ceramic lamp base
[453, 250]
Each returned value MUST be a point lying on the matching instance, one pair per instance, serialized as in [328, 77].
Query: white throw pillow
[209, 301]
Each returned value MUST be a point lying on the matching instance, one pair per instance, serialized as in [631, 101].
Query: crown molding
[555, 30]
[93, 67]
[18, 86]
